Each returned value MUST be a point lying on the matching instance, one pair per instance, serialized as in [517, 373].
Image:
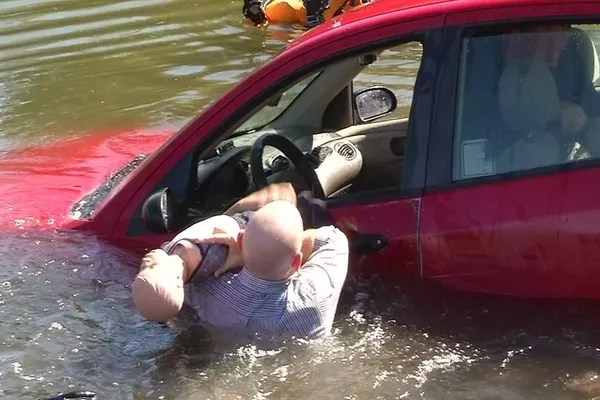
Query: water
[71, 68]
[67, 322]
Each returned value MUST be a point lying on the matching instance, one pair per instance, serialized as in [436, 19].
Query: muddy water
[70, 68]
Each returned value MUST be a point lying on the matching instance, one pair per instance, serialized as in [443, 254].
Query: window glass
[270, 112]
[527, 98]
[396, 68]
[210, 186]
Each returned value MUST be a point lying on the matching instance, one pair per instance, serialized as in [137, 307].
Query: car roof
[376, 7]
[418, 9]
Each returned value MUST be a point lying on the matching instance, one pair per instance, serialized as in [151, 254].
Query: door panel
[537, 236]
[382, 146]
[396, 220]
[375, 141]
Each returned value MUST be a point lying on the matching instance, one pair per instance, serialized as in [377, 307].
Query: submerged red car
[489, 180]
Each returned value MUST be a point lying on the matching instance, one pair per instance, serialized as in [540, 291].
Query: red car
[483, 176]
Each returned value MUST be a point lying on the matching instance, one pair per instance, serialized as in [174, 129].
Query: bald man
[290, 279]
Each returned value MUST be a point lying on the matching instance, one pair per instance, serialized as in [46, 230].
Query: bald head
[272, 241]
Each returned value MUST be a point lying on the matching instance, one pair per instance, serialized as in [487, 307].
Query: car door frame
[439, 160]
[209, 128]
[440, 166]
[370, 235]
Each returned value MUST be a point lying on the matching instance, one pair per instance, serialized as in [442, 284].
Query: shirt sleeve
[326, 268]
[204, 229]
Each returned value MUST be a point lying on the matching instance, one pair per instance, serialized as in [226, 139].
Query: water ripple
[61, 58]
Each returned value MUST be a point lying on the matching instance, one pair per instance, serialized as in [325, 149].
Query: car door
[527, 231]
[390, 214]
[382, 218]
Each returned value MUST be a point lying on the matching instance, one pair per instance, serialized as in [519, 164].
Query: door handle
[369, 243]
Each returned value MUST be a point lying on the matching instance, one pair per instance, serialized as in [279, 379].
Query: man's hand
[272, 192]
[573, 118]
[235, 259]
[308, 242]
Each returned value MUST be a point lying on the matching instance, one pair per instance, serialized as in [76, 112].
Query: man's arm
[327, 265]
[272, 192]
[312, 210]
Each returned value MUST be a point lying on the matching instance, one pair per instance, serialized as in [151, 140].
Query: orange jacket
[291, 12]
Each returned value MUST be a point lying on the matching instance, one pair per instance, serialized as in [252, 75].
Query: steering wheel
[293, 153]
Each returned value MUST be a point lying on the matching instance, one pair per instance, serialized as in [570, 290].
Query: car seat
[530, 107]
[577, 70]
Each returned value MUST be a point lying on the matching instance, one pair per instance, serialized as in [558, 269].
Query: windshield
[277, 106]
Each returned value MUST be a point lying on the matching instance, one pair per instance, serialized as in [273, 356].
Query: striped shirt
[302, 306]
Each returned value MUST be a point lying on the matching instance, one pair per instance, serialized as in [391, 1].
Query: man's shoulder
[329, 235]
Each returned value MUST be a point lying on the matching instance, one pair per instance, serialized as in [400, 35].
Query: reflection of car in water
[452, 182]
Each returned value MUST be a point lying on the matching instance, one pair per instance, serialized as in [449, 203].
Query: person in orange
[307, 13]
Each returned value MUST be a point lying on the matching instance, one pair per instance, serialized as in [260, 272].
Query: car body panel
[395, 221]
[537, 236]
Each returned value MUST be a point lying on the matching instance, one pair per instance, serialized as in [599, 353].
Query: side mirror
[374, 102]
[160, 212]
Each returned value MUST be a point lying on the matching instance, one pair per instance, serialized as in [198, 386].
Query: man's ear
[297, 261]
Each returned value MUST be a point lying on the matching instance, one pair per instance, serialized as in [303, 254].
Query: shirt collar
[258, 284]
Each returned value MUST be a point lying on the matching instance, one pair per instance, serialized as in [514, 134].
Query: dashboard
[225, 176]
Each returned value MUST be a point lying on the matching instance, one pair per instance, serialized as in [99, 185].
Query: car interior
[324, 135]
[329, 138]
[481, 127]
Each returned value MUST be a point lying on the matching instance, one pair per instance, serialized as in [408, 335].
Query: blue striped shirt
[302, 306]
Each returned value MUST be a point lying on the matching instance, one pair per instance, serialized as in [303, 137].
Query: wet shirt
[303, 306]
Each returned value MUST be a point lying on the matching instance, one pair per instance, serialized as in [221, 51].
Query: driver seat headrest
[528, 96]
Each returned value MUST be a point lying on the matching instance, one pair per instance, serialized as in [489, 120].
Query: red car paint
[39, 185]
[525, 237]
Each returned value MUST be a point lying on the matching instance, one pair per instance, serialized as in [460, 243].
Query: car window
[270, 112]
[204, 192]
[396, 68]
[527, 98]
